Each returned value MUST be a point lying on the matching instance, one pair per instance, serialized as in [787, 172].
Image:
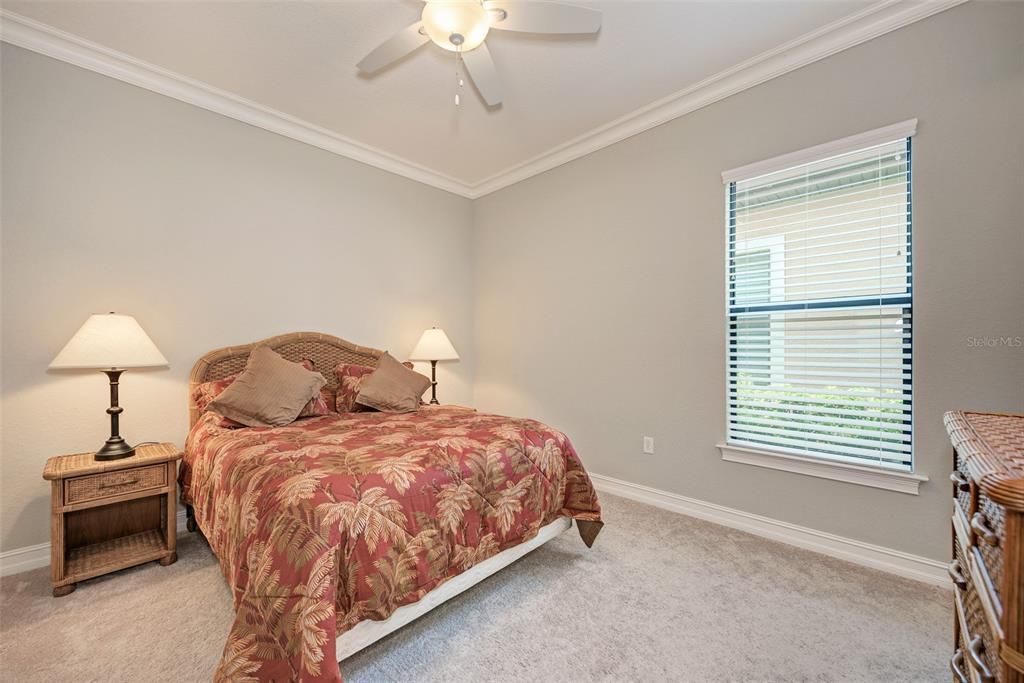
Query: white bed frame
[366, 633]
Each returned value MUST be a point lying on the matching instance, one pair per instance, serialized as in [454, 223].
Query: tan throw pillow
[392, 387]
[271, 392]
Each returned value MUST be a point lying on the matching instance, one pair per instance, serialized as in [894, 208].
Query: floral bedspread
[332, 520]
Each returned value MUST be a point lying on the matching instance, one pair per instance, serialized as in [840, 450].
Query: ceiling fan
[460, 26]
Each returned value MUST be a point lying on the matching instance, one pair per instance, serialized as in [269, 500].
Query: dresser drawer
[988, 527]
[963, 492]
[958, 665]
[979, 647]
[109, 484]
[959, 569]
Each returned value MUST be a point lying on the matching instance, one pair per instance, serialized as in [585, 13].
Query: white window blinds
[820, 307]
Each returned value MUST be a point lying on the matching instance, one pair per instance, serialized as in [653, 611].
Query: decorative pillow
[392, 387]
[271, 392]
[350, 377]
[321, 404]
[203, 394]
[207, 391]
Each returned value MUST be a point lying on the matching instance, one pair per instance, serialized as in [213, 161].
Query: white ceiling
[299, 58]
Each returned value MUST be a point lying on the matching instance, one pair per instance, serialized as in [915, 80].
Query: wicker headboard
[324, 350]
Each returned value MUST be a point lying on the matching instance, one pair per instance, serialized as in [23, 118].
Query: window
[820, 303]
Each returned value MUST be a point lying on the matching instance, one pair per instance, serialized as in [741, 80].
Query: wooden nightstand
[113, 514]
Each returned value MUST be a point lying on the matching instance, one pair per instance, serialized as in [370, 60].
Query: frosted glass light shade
[434, 345]
[456, 24]
[109, 340]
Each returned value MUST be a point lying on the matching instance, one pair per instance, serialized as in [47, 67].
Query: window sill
[876, 477]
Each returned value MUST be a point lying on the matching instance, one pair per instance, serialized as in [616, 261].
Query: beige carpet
[659, 597]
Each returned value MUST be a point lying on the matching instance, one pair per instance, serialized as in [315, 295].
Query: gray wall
[598, 286]
[600, 295]
[211, 233]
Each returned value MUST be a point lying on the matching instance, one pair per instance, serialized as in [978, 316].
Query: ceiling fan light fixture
[456, 25]
[460, 26]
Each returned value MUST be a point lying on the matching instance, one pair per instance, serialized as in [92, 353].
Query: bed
[336, 530]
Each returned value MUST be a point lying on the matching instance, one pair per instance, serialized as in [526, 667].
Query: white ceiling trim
[67, 47]
[874, 21]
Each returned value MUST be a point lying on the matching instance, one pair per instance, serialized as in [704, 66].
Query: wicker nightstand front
[113, 514]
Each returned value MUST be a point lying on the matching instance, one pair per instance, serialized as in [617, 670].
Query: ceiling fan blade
[534, 16]
[393, 49]
[481, 69]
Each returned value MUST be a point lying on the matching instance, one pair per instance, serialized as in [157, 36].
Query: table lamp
[111, 343]
[434, 345]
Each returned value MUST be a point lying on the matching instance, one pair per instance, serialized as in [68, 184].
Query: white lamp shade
[434, 345]
[109, 340]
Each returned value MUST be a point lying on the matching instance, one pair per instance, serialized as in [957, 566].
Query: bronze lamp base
[115, 447]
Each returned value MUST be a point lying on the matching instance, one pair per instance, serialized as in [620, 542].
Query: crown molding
[67, 47]
[871, 22]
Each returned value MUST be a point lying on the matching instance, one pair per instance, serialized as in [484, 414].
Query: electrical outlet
[649, 445]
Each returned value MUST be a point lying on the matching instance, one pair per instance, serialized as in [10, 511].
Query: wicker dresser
[988, 546]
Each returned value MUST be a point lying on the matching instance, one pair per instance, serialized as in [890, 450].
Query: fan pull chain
[459, 81]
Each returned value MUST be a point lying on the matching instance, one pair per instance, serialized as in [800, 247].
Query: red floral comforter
[336, 519]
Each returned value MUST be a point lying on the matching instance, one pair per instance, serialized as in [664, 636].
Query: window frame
[849, 469]
[775, 246]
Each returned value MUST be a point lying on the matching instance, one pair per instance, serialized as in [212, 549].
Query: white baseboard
[23, 559]
[874, 556]
[36, 556]
[866, 554]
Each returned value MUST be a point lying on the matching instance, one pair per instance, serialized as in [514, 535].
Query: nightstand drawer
[110, 484]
